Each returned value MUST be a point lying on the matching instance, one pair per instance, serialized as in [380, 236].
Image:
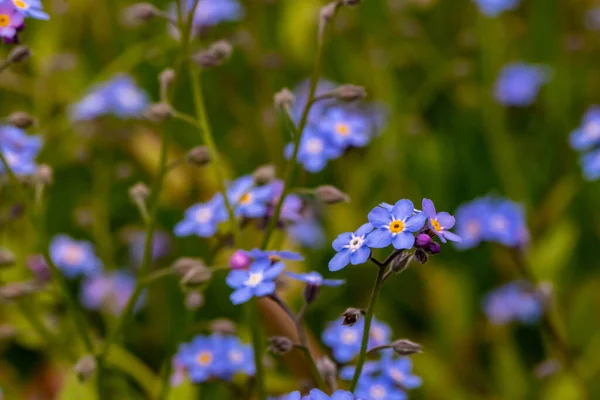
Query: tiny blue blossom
[202, 219]
[249, 200]
[307, 233]
[257, 281]
[19, 163]
[272, 255]
[439, 223]
[31, 8]
[346, 127]
[378, 389]
[351, 248]
[396, 370]
[19, 150]
[316, 279]
[74, 258]
[345, 341]
[395, 226]
[493, 8]
[315, 150]
[12, 22]
[587, 135]
[515, 301]
[213, 12]
[590, 164]
[472, 224]
[200, 357]
[519, 83]
[110, 291]
[237, 357]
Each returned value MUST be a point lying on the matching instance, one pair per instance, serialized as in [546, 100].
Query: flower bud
[165, 79]
[183, 265]
[327, 369]
[284, 98]
[194, 300]
[328, 11]
[7, 258]
[280, 345]
[40, 269]
[214, 56]
[547, 369]
[19, 54]
[422, 241]
[196, 275]
[349, 93]
[139, 13]
[7, 332]
[433, 248]
[21, 119]
[222, 49]
[44, 175]
[239, 260]
[198, 156]
[139, 193]
[405, 347]
[331, 195]
[401, 262]
[311, 292]
[223, 326]
[16, 290]
[421, 256]
[264, 174]
[85, 367]
[351, 316]
[158, 112]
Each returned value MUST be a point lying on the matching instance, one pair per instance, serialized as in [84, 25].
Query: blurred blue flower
[257, 281]
[351, 248]
[11, 21]
[290, 396]
[291, 210]
[346, 127]
[316, 394]
[471, 226]
[590, 164]
[515, 301]
[315, 150]
[318, 108]
[439, 223]
[395, 226]
[19, 163]
[492, 8]
[213, 12]
[237, 357]
[519, 83]
[200, 357]
[16, 139]
[202, 219]
[345, 341]
[315, 278]
[74, 258]
[110, 291]
[587, 135]
[378, 389]
[31, 8]
[120, 97]
[307, 233]
[398, 370]
[272, 255]
[249, 200]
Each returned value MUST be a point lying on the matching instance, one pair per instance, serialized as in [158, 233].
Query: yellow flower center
[436, 225]
[342, 129]
[4, 20]
[204, 358]
[20, 3]
[397, 226]
[246, 198]
[274, 258]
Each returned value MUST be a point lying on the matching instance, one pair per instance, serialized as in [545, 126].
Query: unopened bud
[421, 256]
[16, 290]
[196, 276]
[7, 258]
[311, 292]
[350, 93]
[198, 156]
[264, 174]
[85, 367]
[547, 369]
[422, 241]
[7, 332]
[433, 248]
[159, 112]
[327, 368]
[401, 262]
[546, 292]
[331, 195]
[222, 49]
[183, 265]
[139, 192]
[194, 300]
[139, 13]
[21, 119]
[44, 175]
[280, 345]
[166, 79]
[351, 316]
[40, 269]
[284, 98]
[328, 11]
[239, 260]
[223, 326]
[19, 54]
[405, 347]
[214, 56]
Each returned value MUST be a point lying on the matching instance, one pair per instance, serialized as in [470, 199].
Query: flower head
[237, 357]
[20, 163]
[519, 83]
[110, 291]
[257, 281]
[395, 226]
[590, 164]
[515, 301]
[202, 219]
[200, 357]
[247, 199]
[493, 8]
[346, 127]
[11, 21]
[315, 150]
[587, 135]
[345, 341]
[212, 12]
[74, 258]
[31, 8]
[307, 233]
[351, 248]
[440, 223]
[378, 389]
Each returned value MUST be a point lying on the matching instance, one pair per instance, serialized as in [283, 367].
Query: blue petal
[241, 295]
[364, 229]
[316, 394]
[379, 217]
[235, 279]
[184, 228]
[342, 240]
[264, 289]
[333, 282]
[415, 223]
[340, 260]
[274, 271]
[403, 209]
[411, 382]
[428, 208]
[452, 236]
[379, 238]
[360, 256]
[404, 240]
[342, 395]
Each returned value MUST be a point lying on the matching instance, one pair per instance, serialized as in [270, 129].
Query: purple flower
[31, 8]
[74, 258]
[394, 226]
[515, 301]
[19, 150]
[316, 279]
[11, 21]
[439, 223]
[202, 219]
[351, 248]
[110, 291]
[258, 281]
[519, 83]
[307, 233]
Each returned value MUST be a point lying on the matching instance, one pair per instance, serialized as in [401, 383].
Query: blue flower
[161, 246]
[290, 396]
[587, 135]
[316, 279]
[200, 357]
[111, 291]
[378, 389]
[19, 163]
[272, 255]
[202, 219]
[315, 150]
[492, 8]
[307, 233]
[346, 127]
[351, 248]
[19, 150]
[345, 341]
[439, 223]
[515, 301]
[318, 108]
[236, 358]
[519, 83]
[31, 8]
[249, 200]
[12, 22]
[471, 226]
[398, 370]
[590, 164]
[258, 281]
[212, 12]
[74, 258]
[316, 394]
[394, 226]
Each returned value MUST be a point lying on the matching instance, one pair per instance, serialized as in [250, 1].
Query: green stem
[258, 346]
[362, 356]
[165, 385]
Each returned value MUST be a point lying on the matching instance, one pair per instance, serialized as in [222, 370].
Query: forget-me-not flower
[493, 8]
[200, 357]
[519, 83]
[315, 278]
[19, 163]
[249, 200]
[351, 248]
[472, 223]
[515, 301]
[315, 150]
[307, 233]
[74, 258]
[440, 223]
[346, 127]
[236, 357]
[395, 226]
[345, 341]
[11, 21]
[378, 389]
[257, 281]
[110, 291]
[590, 164]
[202, 219]
[587, 135]
[31, 8]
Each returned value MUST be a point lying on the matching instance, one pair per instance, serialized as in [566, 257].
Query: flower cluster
[332, 128]
[345, 341]
[519, 84]
[13, 14]
[74, 258]
[212, 357]
[110, 291]
[493, 8]
[119, 96]
[515, 301]
[586, 138]
[19, 150]
[491, 219]
[391, 225]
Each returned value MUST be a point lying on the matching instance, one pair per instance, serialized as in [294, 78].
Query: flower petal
[333, 282]
[379, 217]
[403, 209]
[364, 229]
[379, 238]
[411, 382]
[360, 256]
[235, 279]
[428, 208]
[264, 289]
[241, 295]
[452, 236]
[340, 260]
[404, 240]
[274, 271]
[415, 222]
[342, 240]
[446, 220]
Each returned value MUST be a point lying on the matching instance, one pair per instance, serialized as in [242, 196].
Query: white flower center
[591, 130]
[355, 243]
[349, 337]
[203, 215]
[73, 255]
[314, 146]
[378, 392]
[236, 357]
[377, 334]
[397, 375]
[499, 224]
[129, 97]
[473, 228]
[254, 279]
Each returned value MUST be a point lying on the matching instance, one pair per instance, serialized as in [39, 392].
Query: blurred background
[432, 66]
